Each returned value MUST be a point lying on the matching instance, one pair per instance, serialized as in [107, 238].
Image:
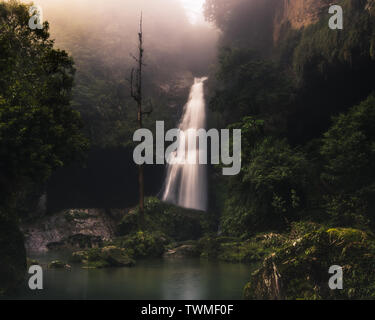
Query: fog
[108, 30]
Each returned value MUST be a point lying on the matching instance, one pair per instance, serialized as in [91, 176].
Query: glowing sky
[194, 9]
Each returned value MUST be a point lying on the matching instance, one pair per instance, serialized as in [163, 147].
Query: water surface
[164, 279]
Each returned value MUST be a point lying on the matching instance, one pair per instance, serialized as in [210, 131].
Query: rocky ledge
[69, 229]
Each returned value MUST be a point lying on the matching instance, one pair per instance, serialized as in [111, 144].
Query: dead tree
[137, 95]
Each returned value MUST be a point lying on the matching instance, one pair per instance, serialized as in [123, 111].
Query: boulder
[116, 257]
[107, 257]
[58, 264]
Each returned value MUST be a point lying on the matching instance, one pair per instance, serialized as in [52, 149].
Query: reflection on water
[169, 279]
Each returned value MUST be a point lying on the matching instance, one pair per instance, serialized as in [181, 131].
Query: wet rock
[58, 264]
[110, 256]
[32, 262]
[72, 229]
[116, 257]
[77, 241]
[78, 256]
[184, 251]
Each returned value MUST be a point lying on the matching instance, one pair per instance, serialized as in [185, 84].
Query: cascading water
[186, 182]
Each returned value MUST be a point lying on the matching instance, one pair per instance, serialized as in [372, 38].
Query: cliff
[302, 13]
[298, 14]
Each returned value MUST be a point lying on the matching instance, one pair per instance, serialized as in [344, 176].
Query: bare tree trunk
[136, 93]
[140, 124]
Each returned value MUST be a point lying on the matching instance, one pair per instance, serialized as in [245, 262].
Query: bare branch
[134, 57]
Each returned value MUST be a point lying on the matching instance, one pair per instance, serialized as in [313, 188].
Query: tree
[39, 131]
[270, 191]
[218, 11]
[136, 93]
[349, 152]
[250, 86]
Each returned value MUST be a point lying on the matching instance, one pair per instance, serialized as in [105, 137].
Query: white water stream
[186, 183]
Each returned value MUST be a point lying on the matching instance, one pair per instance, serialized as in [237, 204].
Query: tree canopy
[39, 131]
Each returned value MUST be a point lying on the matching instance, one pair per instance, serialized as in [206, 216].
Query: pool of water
[163, 279]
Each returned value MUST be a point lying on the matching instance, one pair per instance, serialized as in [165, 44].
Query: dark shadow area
[109, 180]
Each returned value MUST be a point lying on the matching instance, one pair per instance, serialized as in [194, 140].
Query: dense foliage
[310, 174]
[250, 85]
[297, 269]
[302, 96]
[39, 131]
[305, 105]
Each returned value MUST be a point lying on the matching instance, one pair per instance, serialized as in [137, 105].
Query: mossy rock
[32, 262]
[76, 241]
[12, 257]
[176, 223]
[57, 264]
[78, 256]
[116, 257]
[73, 215]
[100, 264]
[107, 257]
[299, 268]
[183, 251]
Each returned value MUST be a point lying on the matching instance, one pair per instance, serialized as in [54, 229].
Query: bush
[299, 268]
[143, 244]
[349, 151]
[270, 192]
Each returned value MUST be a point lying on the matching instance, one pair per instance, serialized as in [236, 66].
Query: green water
[164, 279]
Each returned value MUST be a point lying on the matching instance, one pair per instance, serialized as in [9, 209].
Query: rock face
[12, 257]
[299, 269]
[76, 241]
[77, 229]
[298, 13]
[302, 13]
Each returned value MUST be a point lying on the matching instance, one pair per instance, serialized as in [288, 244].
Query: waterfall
[186, 183]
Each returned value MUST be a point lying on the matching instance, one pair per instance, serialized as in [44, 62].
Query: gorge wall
[298, 14]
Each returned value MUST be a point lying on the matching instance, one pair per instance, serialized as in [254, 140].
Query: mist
[109, 31]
